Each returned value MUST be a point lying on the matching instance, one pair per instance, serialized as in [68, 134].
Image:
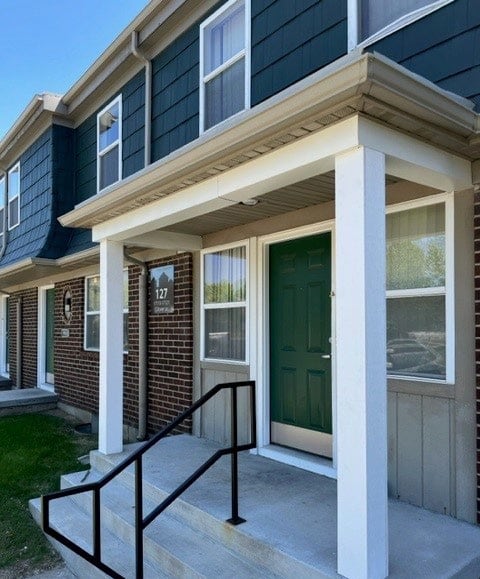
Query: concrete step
[253, 549]
[76, 525]
[23, 400]
[5, 383]
[170, 543]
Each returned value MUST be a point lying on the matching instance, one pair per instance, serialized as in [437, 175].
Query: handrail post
[138, 518]
[253, 415]
[235, 519]
[97, 549]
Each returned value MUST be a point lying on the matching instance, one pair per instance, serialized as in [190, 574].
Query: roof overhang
[369, 84]
[29, 269]
[42, 110]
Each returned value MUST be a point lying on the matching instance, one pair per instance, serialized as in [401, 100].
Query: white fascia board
[312, 155]
[411, 159]
[196, 200]
[168, 240]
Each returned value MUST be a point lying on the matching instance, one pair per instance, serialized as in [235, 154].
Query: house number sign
[162, 289]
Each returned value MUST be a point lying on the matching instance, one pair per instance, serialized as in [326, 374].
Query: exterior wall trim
[259, 370]
[41, 347]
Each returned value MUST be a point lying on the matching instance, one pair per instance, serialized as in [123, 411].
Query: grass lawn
[35, 450]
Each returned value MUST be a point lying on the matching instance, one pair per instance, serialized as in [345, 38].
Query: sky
[46, 45]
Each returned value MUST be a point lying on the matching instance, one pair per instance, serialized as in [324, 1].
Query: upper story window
[380, 17]
[224, 314]
[2, 210]
[419, 304]
[13, 188]
[109, 144]
[224, 63]
[92, 312]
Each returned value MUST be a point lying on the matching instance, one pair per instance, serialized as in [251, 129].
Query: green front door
[300, 345]
[49, 333]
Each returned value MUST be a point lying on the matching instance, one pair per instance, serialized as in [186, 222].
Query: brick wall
[477, 337]
[76, 370]
[170, 351]
[29, 311]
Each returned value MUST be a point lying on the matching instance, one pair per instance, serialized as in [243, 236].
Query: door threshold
[299, 459]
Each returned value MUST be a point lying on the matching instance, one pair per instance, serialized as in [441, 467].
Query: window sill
[420, 387]
[219, 365]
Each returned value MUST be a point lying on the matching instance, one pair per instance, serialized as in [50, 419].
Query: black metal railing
[141, 521]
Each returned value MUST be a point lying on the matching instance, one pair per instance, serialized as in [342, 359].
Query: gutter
[142, 346]
[148, 95]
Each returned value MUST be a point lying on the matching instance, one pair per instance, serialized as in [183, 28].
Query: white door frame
[41, 340]
[4, 369]
[260, 371]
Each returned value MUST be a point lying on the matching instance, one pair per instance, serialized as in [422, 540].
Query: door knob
[326, 356]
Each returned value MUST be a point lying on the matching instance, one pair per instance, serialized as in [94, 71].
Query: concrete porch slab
[26, 400]
[294, 511]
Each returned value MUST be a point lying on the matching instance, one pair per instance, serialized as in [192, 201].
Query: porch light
[250, 202]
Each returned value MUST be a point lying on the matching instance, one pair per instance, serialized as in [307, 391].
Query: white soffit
[407, 158]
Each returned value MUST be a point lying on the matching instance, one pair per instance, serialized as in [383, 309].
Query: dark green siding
[62, 191]
[292, 39]
[133, 141]
[444, 47]
[27, 239]
[133, 127]
[86, 159]
[175, 94]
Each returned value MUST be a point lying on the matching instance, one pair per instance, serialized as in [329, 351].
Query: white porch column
[110, 435]
[361, 365]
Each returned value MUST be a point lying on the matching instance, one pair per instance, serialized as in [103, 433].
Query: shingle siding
[133, 127]
[27, 239]
[133, 139]
[86, 159]
[62, 191]
[291, 40]
[175, 94]
[444, 47]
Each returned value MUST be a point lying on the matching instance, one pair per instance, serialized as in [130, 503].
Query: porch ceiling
[314, 191]
[307, 193]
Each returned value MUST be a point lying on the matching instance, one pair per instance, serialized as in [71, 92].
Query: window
[92, 312]
[2, 211]
[381, 16]
[418, 310]
[109, 144]
[224, 63]
[225, 304]
[13, 189]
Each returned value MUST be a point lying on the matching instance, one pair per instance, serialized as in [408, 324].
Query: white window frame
[448, 290]
[355, 21]
[16, 167]
[244, 304]
[3, 199]
[245, 53]
[97, 312]
[118, 142]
